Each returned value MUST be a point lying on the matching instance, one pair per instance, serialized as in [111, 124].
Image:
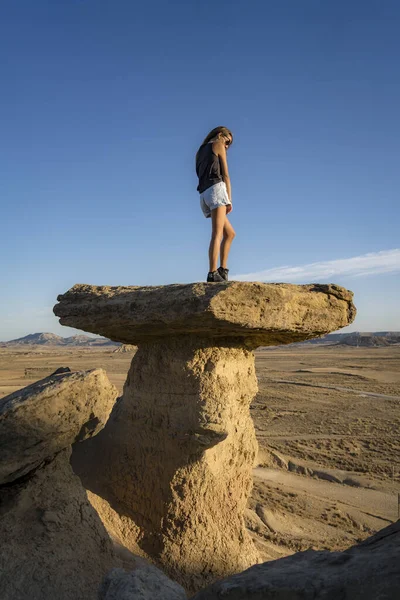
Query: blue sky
[103, 106]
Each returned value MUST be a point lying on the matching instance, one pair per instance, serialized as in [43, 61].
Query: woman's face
[227, 139]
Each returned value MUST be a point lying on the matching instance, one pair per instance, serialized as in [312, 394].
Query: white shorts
[213, 197]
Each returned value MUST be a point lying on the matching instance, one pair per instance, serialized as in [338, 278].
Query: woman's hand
[228, 208]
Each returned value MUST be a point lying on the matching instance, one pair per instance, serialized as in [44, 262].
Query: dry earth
[328, 424]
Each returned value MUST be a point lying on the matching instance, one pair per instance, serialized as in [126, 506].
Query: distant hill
[357, 338]
[51, 339]
[360, 339]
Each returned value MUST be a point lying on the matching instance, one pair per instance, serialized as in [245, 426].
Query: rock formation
[178, 450]
[257, 314]
[43, 418]
[368, 571]
[124, 348]
[145, 583]
[53, 544]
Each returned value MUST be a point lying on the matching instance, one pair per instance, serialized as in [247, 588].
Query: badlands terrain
[327, 420]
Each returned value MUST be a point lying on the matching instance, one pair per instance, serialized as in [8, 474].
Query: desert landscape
[327, 421]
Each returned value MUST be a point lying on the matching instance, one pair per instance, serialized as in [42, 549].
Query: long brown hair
[213, 133]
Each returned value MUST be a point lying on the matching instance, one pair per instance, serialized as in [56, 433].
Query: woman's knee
[229, 234]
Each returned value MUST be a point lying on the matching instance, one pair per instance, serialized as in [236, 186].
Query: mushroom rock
[178, 450]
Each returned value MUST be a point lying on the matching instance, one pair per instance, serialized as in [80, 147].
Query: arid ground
[327, 420]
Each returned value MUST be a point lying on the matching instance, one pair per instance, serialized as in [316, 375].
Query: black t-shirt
[208, 168]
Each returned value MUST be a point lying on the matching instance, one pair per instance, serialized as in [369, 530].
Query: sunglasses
[228, 142]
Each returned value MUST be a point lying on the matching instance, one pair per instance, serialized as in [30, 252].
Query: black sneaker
[214, 276]
[224, 273]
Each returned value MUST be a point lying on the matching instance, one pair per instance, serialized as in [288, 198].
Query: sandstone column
[175, 459]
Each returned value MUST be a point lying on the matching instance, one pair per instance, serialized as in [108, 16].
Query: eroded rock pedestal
[175, 459]
[179, 452]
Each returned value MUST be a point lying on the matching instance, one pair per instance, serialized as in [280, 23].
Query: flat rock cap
[255, 314]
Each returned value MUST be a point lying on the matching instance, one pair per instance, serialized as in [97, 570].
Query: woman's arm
[220, 150]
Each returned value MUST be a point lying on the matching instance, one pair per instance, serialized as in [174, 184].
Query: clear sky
[104, 104]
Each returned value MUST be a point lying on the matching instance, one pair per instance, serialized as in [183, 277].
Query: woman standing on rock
[215, 197]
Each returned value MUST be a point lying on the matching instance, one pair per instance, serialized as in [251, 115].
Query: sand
[328, 425]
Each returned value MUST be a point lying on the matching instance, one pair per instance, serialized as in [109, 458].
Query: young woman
[215, 198]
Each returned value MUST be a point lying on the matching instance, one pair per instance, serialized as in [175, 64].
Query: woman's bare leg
[218, 216]
[228, 235]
